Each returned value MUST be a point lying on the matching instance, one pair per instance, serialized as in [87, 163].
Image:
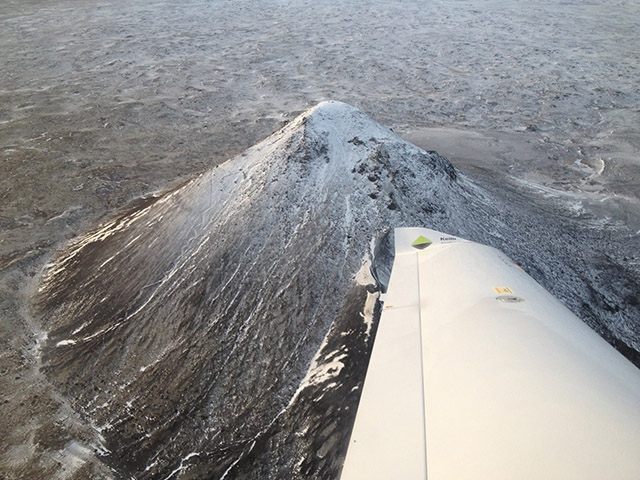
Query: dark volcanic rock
[185, 330]
[186, 325]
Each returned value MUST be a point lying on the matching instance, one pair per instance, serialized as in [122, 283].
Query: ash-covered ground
[104, 102]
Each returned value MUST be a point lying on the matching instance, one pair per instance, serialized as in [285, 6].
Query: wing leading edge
[478, 372]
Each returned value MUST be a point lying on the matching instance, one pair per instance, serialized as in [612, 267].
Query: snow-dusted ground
[97, 92]
[101, 102]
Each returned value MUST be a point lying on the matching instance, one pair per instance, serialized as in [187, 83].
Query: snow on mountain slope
[184, 328]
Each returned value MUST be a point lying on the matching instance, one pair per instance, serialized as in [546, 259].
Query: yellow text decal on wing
[503, 290]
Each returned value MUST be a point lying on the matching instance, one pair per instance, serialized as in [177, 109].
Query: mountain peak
[348, 142]
[211, 301]
[345, 125]
[331, 110]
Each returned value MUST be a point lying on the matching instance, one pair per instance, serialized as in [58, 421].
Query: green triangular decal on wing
[421, 242]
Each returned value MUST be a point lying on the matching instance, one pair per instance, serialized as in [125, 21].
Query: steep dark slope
[183, 330]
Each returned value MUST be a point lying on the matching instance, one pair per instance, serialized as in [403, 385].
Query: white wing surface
[477, 372]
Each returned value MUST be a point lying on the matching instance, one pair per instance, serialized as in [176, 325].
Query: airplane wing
[477, 372]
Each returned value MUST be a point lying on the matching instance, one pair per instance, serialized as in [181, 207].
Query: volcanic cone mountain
[188, 330]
